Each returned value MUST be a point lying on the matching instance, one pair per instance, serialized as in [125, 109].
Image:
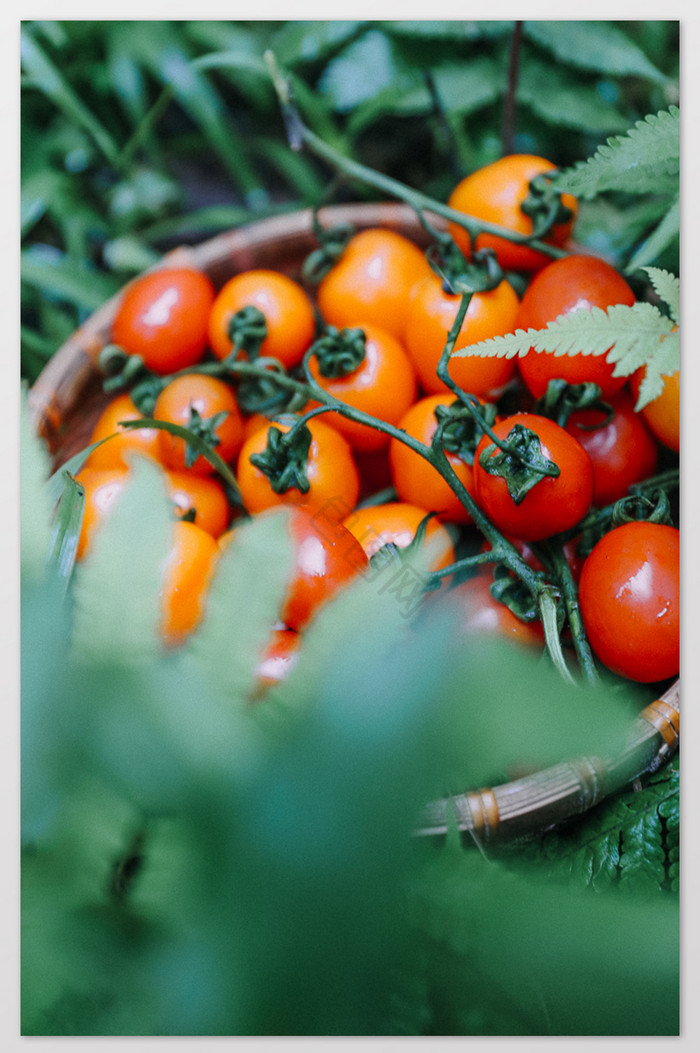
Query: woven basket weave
[67, 398]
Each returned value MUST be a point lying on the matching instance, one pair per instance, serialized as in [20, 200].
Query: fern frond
[629, 336]
[668, 288]
[645, 160]
[663, 235]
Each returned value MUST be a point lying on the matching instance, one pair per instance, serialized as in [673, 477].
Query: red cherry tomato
[202, 494]
[278, 659]
[561, 287]
[383, 385]
[480, 613]
[495, 194]
[163, 315]
[188, 399]
[429, 315]
[371, 281]
[331, 471]
[187, 573]
[662, 414]
[416, 481]
[288, 311]
[629, 600]
[396, 522]
[623, 451]
[117, 452]
[553, 504]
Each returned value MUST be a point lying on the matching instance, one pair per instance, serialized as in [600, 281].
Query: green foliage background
[193, 865]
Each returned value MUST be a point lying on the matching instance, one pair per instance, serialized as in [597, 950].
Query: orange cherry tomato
[188, 399]
[383, 385]
[558, 289]
[416, 481]
[103, 488]
[495, 194]
[117, 452]
[203, 494]
[187, 573]
[288, 311]
[481, 614]
[371, 281]
[429, 315]
[163, 315]
[330, 468]
[663, 414]
[397, 522]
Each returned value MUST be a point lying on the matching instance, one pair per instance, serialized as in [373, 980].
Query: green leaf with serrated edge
[557, 96]
[664, 234]
[244, 602]
[644, 161]
[667, 288]
[597, 46]
[36, 505]
[117, 584]
[629, 336]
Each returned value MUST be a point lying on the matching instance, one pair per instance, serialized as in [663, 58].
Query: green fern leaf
[667, 288]
[664, 234]
[596, 46]
[642, 857]
[559, 98]
[645, 160]
[36, 502]
[629, 337]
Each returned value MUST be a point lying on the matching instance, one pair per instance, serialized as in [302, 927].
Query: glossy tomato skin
[186, 575]
[383, 385]
[553, 504]
[331, 470]
[103, 489]
[623, 451]
[197, 393]
[397, 522]
[371, 281]
[277, 660]
[568, 284]
[117, 452]
[203, 494]
[495, 193]
[629, 595]
[288, 311]
[480, 614]
[163, 317]
[429, 315]
[415, 480]
[662, 415]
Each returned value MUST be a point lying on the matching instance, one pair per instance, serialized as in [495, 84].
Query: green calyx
[459, 276]
[544, 205]
[520, 462]
[205, 429]
[339, 352]
[285, 458]
[561, 399]
[332, 244]
[247, 329]
[460, 429]
[654, 508]
[514, 594]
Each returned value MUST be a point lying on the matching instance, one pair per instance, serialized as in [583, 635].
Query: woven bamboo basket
[67, 398]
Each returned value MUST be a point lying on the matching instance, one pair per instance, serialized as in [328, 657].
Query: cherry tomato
[103, 488]
[495, 193]
[118, 451]
[416, 481]
[570, 550]
[662, 415]
[187, 572]
[429, 315]
[163, 315]
[553, 504]
[397, 522]
[371, 281]
[188, 399]
[203, 494]
[629, 600]
[480, 613]
[331, 471]
[383, 385]
[559, 288]
[288, 311]
[278, 659]
[623, 451]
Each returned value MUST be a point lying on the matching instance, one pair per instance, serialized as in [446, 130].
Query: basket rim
[507, 811]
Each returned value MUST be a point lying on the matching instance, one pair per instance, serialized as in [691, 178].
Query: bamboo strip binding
[67, 398]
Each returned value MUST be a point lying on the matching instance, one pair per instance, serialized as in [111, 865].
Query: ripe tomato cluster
[380, 448]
